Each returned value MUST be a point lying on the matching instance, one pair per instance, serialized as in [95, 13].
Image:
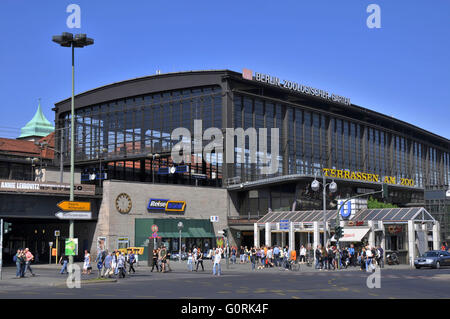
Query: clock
[123, 203]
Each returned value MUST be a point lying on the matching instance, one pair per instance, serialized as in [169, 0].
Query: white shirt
[217, 258]
[303, 251]
[369, 253]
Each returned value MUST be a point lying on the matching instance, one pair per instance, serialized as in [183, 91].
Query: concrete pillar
[411, 242]
[283, 239]
[291, 236]
[383, 239]
[436, 235]
[371, 233]
[268, 235]
[256, 234]
[316, 237]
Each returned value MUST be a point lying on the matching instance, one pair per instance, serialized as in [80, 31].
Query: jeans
[64, 267]
[242, 258]
[233, 259]
[18, 269]
[368, 263]
[317, 263]
[28, 266]
[253, 263]
[217, 269]
[277, 260]
[189, 265]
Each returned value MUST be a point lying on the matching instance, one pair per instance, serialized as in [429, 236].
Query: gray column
[371, 233]
[256, 235]
[268, 235]
[283, 239]
[291, 236]
[316, 238]
[411, 242]
[436, 235]
[383, 239]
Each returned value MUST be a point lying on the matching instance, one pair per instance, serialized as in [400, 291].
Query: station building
[123, 143]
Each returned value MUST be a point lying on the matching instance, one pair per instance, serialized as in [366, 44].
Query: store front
[195, 233]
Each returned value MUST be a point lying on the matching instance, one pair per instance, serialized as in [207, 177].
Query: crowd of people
[109, 264]
[23, 259]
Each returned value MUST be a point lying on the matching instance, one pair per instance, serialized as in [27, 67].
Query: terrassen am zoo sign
[338, 173]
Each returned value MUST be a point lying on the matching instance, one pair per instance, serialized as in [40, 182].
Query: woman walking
[199, 260]
[189, 261]
[155, 260]
[87, 263]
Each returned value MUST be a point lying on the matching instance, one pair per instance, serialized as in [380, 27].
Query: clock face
[123, 203]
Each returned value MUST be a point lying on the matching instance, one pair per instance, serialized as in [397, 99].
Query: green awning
[197, 232]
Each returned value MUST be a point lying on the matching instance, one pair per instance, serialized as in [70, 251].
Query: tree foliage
[373, 203]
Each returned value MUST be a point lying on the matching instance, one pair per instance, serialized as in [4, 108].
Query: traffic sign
[155, 228]
[74, 206]
[74, 215]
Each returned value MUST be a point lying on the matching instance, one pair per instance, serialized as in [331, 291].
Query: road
[240, 283]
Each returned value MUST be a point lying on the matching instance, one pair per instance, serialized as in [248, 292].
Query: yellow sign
[75, 206]
[136, 250]
[339, 173]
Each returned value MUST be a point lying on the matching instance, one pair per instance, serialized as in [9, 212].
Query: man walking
[216, 259]
[28, 259]
[131, 261]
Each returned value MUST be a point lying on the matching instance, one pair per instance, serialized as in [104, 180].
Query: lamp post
[153, 156]
[180, 227]
[315, 186]
[79, 41]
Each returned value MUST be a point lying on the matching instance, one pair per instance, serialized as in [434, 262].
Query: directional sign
[74, 215]
[284, 224]
[74, 206]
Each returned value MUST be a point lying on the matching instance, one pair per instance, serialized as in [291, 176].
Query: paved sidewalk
[49, 276]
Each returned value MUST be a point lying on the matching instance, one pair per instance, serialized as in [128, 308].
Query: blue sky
[401, 70]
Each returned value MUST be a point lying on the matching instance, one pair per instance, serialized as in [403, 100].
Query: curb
[87, 282]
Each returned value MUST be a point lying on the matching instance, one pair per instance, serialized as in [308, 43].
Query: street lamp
[153, 156]
[315, 186]
[180, 227]
[79, 41]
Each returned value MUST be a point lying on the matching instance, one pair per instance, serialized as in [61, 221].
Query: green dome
[38, 126]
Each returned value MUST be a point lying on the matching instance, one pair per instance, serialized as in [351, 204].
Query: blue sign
[182, 169]
[345, 213]
[166, 205]
[284, 224]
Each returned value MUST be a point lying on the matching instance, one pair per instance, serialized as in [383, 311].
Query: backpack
[15, 258]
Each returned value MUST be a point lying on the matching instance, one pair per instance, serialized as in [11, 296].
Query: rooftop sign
[295, 87]
[44, 187]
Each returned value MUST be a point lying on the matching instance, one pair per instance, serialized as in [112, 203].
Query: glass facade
[314, 141]
[122, 132]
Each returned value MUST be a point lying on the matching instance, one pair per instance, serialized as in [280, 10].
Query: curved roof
[188, 79]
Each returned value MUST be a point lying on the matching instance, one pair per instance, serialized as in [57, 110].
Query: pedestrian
[131, 262]
[99, 262]
[108, 270]
[351, 252]
[163, 256]
[246, 255]
[121, 265]
[63, 261]
[200, 261]
[16, 259]
[276, 255]
[233, 255]
[253, 257]
[87, 263]
[216, 260]
[114, 268]
[380, 260]
[28, 259]
[318, 257]
[242, 255]
[22, 260]
[302, 254]
[155, 260]
[189, 260]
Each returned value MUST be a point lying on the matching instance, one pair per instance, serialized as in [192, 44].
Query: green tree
[373, 203]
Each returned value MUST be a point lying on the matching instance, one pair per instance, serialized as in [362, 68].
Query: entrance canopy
[386, 215]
